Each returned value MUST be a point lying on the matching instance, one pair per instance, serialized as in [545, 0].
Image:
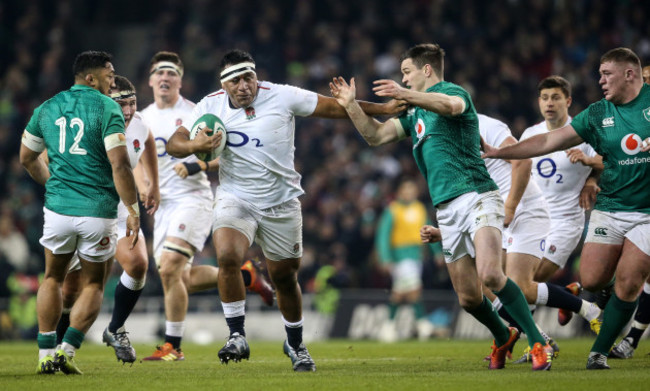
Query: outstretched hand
[343, 92]
[389, 88]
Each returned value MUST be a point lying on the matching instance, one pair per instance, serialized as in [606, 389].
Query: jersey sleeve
[454, 90]
[497, 134]
[406, 119]
[299, 101]
[113, 120]
[582, 126]
[32, 126]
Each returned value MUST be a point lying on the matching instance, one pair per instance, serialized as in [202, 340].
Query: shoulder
[450, 88]
[535, 130]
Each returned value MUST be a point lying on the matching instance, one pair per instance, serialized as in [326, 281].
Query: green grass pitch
[341, 365]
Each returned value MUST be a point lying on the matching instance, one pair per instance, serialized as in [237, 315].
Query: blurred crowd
[498, 50]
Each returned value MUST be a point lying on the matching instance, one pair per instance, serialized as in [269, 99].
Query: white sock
[68, 349]
[639, 326]
[234, 309]
[174, 329]
[542, 294]
[496, 304]
[646, 288]
[131, 283]
[293, 325]
[589, 311]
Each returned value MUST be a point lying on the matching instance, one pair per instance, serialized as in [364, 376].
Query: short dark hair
[123, 84]
[235, 56]
[621, 55]
[89, 60]
[166, 56]
[555, 81]
[426, 53]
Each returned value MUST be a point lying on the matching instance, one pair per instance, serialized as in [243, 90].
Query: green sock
[485, 314]
[418, 309]
[617, 314]
[74, 337]
[46, 340]
[392, 310]
[514, 302]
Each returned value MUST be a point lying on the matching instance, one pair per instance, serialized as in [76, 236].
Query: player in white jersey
[183, 220]
[141, 148]
[526, 228]
[257, 196]
[562, 176]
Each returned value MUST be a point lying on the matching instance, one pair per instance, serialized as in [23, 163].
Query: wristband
[134, 210]
[193, 168]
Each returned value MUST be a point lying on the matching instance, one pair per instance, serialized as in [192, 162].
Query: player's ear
[569, 100]
[90, 79]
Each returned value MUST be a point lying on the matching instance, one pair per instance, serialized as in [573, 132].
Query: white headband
[237, 70]
[167, 65]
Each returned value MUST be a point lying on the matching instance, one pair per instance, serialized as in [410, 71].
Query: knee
[628, 287]
[229, 260]
[493, 279]
[469, 302]
[170, 271]
[137, 269]
[284, 281]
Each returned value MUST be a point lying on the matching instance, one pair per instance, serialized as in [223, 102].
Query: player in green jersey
[443, 126]
[618, 237]
[89, 171]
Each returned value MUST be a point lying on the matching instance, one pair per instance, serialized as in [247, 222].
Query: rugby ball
[213, 122]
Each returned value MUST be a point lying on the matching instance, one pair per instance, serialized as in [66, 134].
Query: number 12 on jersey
[75, 149]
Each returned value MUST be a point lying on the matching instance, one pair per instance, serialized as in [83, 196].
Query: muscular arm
[438, 103]
[123, 175]
[374, 132]
[329, 108]
[149, 188]
[520, 177]
[180, 145]
[34, 164]
[539, 145]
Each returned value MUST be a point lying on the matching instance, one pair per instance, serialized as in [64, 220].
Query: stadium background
[497, 50]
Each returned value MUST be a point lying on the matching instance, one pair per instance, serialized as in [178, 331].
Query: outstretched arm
[539, 145]
[328, 107]
[442, 104]
[520, 176]
[374, 132]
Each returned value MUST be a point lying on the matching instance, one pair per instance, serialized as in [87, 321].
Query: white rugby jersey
[136, 135]
[258, 162]
[495, 132]
[560, 180]
[163, 123]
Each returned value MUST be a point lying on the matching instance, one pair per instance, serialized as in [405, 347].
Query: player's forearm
[125, 184]
[438, 103]
[596, 163]
[180, 145]
[519, 181]
[150, 161]
[367, 126]
[37, 170]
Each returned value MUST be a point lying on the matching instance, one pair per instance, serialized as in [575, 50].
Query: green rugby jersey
[73, 125]
[447, 149]
[616, 133]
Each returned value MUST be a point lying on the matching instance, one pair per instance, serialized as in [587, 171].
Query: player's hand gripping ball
[213, 122]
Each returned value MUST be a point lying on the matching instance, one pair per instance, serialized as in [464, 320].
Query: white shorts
[528, 230]
[460, 218]
[75, 264]
[613, 227]
[407, 275]
[277, 230]
[562, 239]
[186, 218]
[94, 238]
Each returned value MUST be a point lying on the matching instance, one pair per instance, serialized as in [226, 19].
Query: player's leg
[48, 308]
[631, 273]
[69, 291]
[464, 278]
[545, 270]
[174, 261]
[134, 264]
[641, 321]
[205, 277]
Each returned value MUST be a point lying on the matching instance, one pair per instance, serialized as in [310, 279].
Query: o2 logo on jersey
[420, 128]
[631, 144]
[546, 168]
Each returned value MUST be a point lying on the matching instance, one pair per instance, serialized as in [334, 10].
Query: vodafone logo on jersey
[631, 144]
[420, 128]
